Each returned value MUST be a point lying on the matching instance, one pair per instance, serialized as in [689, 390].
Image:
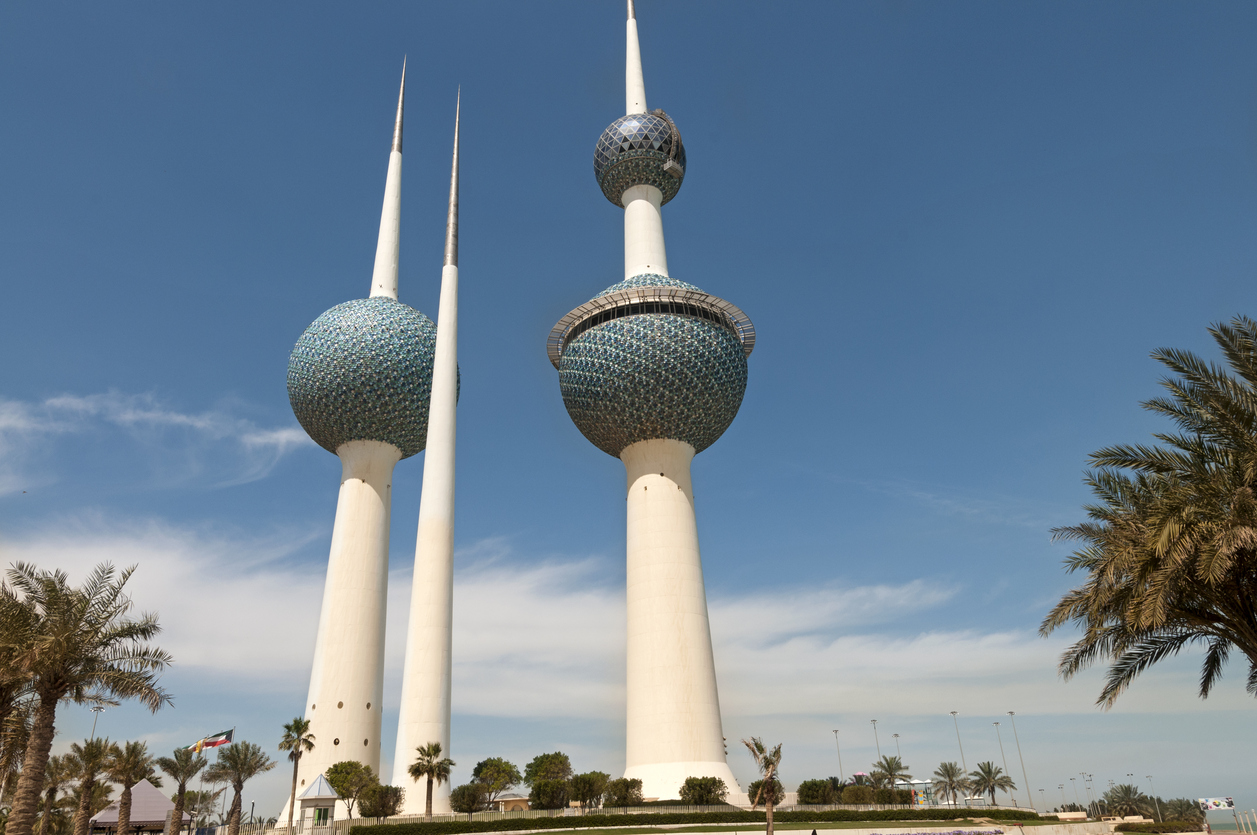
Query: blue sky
[959, 229]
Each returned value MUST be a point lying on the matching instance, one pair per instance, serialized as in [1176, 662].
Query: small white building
[318, 805]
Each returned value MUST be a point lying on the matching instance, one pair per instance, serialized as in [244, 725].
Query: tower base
[663, 781]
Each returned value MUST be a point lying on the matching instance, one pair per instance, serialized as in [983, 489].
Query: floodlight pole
[875, 742]
[1154, 797]
[897, 751]
[1012, 717]
[958, 742]
[1011, 796]
[96, 709]
[839, 747]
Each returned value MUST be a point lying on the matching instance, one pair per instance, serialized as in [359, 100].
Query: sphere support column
[347, 680]
[674, 728]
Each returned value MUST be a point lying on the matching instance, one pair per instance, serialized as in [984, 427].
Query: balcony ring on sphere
[640, 149]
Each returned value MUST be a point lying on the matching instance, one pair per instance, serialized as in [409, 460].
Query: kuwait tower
[359, 380]
[652, 372]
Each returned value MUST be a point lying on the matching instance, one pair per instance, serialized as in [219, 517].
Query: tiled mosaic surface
[653, 375]
[632, 152]
[646, 280]
[363, 372]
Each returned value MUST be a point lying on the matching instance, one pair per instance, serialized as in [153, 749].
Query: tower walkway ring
[622, 301]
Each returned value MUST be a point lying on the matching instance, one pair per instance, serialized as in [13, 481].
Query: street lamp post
[1063, 801]
[897, 751]
[96, 709]
[251, 804]
[959, 743]
[839, 747]
[1077, 799]
[1013, 718]
[1011, 796]
[1043, 800]
[1154, 797]
[875, 742]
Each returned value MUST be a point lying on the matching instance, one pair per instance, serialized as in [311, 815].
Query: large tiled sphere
[653, 375]
[632, 151]
[363, 372]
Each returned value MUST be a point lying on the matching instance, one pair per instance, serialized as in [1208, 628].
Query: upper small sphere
[363, 372]
[637, 150]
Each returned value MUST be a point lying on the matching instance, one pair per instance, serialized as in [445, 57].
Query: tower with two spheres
[374, 381]
[652, 371]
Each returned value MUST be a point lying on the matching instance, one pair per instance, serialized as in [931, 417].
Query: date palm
[1170, 548]
[988, 778]
[83, 648]
[236, 765]
[181, 768]
[950, 781]
[89, 760]
[1182, 809]
[891, 770]
[17, 628]
[1124, 799]
[297, 740]
[767, 760]
[57, 774]
[434, 767]
[128, 766]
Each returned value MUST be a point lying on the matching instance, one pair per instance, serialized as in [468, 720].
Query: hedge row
[593, 821]
[1159, 828]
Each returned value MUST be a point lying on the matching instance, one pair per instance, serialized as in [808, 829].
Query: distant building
[512, 803]
[149, 811]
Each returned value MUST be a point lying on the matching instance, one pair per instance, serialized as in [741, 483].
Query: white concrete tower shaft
[643, 214]
[425, 704]
[387, 249]
[674, 729]
[346, 695]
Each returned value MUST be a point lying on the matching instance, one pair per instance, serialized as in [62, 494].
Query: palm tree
[297, 740]
[237, 764]
[988, 778]
[1169, 551]
[90, 759]
[128, 766]
[432, 765]
[83, 649]
[892, 770]
[1124, 799]
[202, 804]
[950, 780]
[60, 770]
[1182, 809]
[182, 767]
[766, 761]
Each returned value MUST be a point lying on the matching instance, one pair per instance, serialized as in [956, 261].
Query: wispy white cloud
[216, 445]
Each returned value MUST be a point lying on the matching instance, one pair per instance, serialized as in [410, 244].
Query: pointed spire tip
[401, 102]
[451, 222]
[632, 13]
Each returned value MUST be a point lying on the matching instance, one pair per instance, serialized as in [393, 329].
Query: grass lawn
[817, 825]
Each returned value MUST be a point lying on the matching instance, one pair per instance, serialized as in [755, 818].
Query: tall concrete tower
[359, 380]
[425, 705]
[652, 372]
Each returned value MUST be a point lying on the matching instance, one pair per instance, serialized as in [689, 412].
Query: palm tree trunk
[49, 799]
[237, 806]
[83, 816]
[427, 809]
[176, 817]
[293, 802]
[768, 808]
[124, 811]
[31, 784]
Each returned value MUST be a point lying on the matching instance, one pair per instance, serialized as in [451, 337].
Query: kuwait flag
[223, 738]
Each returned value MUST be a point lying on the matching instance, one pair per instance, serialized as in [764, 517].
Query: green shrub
[903, 797]
[817, 793]
[460, 827]
[549, 794]
[468, 798]
[588, 788]
[776, 793]
[623, 791]
[381, 801]
[884, 797]
[704, 791]
[857, 795]
[1168, 826]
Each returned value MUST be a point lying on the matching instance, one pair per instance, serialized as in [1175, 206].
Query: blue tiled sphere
[653, 375]
[632, 151]
[363, 372]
